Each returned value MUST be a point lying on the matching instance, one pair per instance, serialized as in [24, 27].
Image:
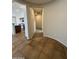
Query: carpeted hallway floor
[39, 47]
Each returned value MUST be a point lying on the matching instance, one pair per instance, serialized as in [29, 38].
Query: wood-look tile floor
[38, 47]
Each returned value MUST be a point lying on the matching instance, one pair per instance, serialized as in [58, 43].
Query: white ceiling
[33, 1]
[39, 1]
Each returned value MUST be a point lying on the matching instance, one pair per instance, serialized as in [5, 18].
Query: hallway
[39, 47]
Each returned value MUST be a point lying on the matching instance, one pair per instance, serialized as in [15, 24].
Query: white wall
[38, 21]
[55, 21]
[31, 20]
[13, 28]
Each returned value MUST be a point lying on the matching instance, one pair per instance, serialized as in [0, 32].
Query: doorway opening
[38, 23]
[19, 19]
